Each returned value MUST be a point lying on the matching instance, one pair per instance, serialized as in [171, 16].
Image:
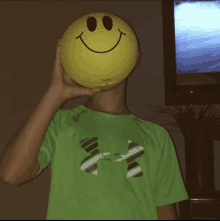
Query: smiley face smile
[101, 51]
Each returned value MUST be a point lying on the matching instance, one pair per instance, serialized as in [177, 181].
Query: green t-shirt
[109, 167]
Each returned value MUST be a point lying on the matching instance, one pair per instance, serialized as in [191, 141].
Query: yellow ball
[99, 50]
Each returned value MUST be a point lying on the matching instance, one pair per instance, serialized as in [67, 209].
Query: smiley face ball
[99, 50]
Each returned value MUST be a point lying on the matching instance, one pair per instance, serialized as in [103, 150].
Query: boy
[105, 162]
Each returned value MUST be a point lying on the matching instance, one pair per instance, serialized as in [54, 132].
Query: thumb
[94, 90]
[91, 90]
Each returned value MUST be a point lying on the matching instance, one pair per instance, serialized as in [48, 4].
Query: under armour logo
[89, 164]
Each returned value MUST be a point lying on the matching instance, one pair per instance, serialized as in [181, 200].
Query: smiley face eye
[92, 23]
[107, 21]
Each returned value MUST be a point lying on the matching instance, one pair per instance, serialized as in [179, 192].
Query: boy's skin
[111, 99]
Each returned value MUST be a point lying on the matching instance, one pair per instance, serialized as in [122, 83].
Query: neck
[109, 110]
[112, 102]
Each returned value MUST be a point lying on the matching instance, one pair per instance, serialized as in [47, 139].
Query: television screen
[197, 39]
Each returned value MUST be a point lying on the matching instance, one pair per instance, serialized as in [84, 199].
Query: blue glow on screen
[197, 36]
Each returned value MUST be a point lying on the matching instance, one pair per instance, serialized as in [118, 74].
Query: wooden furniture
[204, 200]
[201, 206]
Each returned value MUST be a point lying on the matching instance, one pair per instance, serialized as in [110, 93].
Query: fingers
[58, 55]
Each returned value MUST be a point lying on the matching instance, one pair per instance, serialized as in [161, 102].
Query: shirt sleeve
[47, 148]
[169, 187]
